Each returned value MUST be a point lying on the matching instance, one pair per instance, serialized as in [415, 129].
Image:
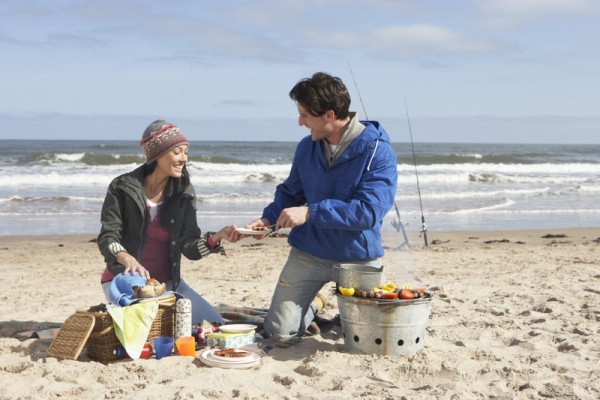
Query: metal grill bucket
[386, 327]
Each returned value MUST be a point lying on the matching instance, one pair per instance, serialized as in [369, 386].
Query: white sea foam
[546, 168]
[501, 205]
[74, 157]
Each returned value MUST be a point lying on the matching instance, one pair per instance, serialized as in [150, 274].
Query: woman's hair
[173, 191]
[320, 93]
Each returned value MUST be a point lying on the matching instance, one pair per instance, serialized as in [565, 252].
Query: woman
[149, 220]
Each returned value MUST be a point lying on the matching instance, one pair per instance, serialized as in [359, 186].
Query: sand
[514, 315]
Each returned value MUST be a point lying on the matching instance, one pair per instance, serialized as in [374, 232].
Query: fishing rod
[424, 225]
[397, 222]
[358, 91]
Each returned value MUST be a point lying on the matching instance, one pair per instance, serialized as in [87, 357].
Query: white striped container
[183, 318]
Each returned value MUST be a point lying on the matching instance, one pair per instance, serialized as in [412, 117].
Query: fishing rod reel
[399, 226]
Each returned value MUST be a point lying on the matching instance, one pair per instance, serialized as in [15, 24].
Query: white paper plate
[237, 328]
[246, 231]
[230, 366]
[209, 359]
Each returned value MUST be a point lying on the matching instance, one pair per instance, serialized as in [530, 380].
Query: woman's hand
[132, 265]
[227, 233]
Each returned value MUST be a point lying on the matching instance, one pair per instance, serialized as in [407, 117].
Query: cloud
[407, 41]
[6, 39]
[537, 7]
[75, 40]
[231, 43]
[426, 39]
[265, 31]
[197, 35]
[510, 13]
[17, 8]
[148, 30]
[280, 32]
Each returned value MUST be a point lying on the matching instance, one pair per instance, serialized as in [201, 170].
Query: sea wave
[473, 194]
[50, 199]
[281, 153]
[204, 173]
[522, 169]
[501, 204]
[102, 159]
[83, 158]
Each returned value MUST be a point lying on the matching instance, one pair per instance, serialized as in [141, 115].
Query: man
[341, 185]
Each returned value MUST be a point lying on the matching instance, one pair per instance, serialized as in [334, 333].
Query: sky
[479, 71]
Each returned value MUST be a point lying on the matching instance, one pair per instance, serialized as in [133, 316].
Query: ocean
[57, 187]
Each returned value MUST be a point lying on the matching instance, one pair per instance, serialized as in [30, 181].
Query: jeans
[201, 309]
[302, 277]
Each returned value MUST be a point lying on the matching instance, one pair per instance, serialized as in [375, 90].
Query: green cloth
[132, 325]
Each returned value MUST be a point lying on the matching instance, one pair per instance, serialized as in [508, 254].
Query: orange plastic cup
[186, 346]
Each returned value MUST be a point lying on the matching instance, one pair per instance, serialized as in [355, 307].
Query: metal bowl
[360, 277]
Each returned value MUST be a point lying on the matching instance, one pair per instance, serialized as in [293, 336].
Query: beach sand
[515, 315]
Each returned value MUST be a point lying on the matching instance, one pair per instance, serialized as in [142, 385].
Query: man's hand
[292, 217]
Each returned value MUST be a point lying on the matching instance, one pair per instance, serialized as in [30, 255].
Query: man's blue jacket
[347, 201]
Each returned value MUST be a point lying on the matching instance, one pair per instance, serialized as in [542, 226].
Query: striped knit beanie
[159, 138]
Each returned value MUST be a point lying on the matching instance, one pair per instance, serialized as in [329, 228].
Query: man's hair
[320, 93]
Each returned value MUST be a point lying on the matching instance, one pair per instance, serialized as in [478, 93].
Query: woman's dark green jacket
[125, 219]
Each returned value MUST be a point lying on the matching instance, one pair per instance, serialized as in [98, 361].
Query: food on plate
[261, 228]
[407, 294]
[153, 288]
[390, 295]
[346, 291]
[231, 353]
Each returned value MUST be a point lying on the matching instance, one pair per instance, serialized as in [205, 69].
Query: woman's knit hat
[160, 137]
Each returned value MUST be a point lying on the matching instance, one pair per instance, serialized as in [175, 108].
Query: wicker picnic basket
[103, 341]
